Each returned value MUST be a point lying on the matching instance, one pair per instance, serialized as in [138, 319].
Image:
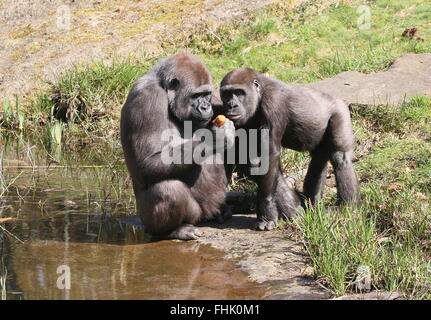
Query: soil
[41, 38]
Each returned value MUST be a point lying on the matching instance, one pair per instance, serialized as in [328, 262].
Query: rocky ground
[39, 39]
[268, 257]
[408, 76]
[274, 259]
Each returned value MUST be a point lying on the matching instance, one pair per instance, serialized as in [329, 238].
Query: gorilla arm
[145, 144]
[143, 120]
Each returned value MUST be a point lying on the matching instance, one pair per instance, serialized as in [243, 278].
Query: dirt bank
[39, 39]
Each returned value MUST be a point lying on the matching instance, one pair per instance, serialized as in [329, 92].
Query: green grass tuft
[89, 91]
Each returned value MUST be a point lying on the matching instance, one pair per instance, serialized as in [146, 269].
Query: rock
[374, 295]
[408, 76]
[268, 257]
[294, 296]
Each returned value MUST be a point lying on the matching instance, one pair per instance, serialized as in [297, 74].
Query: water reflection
[70, 216]
[162, 270]
[111, 260]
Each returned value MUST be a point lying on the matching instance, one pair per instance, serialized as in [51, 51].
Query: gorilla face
[188, 103]
[200, 105]
[239, 103]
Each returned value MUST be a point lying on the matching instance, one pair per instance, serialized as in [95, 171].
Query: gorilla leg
[208, 188]
[342, 144]
[286, 199]
[282, 203]
[224, 214]
[168, 207]
[267, 213]
[315, 178]
[345, 177]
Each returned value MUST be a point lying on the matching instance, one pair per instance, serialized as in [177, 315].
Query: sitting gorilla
[297, 118]
[171, 197]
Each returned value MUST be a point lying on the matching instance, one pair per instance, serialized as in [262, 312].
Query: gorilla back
[170, 197]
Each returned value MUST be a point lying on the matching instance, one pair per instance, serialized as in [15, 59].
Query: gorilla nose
[232, 105]
[204, 109]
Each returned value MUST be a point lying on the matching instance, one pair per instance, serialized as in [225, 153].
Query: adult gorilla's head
[189, 87]
[240, 92]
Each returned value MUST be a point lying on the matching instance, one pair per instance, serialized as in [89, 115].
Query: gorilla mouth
[234, 116]
[202, 118]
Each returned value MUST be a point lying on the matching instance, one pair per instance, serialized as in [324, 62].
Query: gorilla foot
[224, 215]
[265, 225]
[185, 232]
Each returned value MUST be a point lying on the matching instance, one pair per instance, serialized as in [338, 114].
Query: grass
[341, 242]
[301, 49]
[81, 108]
[90, 91]
[303, 45]
[389, 235]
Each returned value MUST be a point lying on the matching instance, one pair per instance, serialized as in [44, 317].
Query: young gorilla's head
[240, 93]
[189, 87]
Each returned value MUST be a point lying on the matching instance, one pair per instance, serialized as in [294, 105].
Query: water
[72, 216]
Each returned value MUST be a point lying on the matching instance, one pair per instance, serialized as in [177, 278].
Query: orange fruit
[219, 121]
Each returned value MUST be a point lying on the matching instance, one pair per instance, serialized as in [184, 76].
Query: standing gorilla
[298, 118]
[171, 197]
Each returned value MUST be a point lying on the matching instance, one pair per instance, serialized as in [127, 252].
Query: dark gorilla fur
[299, 118]
[170, 198]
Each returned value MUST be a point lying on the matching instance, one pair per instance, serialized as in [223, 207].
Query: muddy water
[72, 216]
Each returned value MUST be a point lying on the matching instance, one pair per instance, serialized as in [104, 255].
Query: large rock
[408, 76]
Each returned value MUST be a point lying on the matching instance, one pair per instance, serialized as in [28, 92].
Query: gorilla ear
[257, 86]
[173, 84]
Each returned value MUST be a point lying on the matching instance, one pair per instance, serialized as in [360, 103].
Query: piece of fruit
[219, 121]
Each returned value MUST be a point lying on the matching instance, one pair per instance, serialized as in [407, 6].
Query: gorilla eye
[239, 92]
[205, 95]
[226, 95]
[174, 84]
